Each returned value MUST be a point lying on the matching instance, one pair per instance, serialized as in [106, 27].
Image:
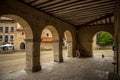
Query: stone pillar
[57, 50]
[32, 55]
[69, 48]
[117, 35]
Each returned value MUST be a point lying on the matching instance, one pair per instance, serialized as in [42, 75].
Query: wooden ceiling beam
[86, 17]
[97, 19]
[50, 3]
[81, 8]
[43, 3]
[63, 6]
[39, 2]
[32, 1]
[96, 9]
[82, 5]
[75, 15]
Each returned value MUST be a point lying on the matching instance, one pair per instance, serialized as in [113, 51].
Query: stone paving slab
[70, 69]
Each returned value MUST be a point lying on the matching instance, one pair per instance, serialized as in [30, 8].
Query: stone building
[7, 30]
[11, 33]
[47, 39]
[19, 42]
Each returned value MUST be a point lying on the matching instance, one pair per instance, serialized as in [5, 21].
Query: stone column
[69, 49]
[117, 35]
[57, 50]
[32, 55]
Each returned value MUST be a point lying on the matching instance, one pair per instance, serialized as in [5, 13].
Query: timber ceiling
[75, 12]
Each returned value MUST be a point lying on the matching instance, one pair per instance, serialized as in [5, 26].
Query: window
[6, 38]
[6, 29]
[11, 37]
[12, 43]
[22, 33]
[1, 29]
[12, 29]
[1, 37]
[47, 34]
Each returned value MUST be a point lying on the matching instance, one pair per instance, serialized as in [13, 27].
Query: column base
[34, 69]
[58, 60]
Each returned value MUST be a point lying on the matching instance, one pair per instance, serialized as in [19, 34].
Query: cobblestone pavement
[96, 68]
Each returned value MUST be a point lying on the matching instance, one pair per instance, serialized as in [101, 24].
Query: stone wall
[46, 46]
[86, 34]
[19, 38]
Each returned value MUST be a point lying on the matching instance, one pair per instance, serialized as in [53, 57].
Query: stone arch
[102, 31]
[94, 40]
[22, 45]
[68, 42]
[29, 38]
[85, 36]
[55, 42]
[23, 23]
[53, 31]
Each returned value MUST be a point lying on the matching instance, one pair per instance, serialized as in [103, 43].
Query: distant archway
[22, 45]
[102, 45]
[67, 40]
[50, 42]
[28, 35]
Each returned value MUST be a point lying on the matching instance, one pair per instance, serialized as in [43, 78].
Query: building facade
[11, 33]
[7, 31]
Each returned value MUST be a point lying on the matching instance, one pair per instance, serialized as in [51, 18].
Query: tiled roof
[19, 28]
[5, 18]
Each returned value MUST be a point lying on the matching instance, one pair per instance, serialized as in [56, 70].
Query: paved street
[96, 68]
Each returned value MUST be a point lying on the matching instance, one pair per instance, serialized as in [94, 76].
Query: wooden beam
[81, 8]
[50, 3]
[97, 19]
[39, 4]
[63, 6]
[87, 10]
[83, 5]
[86, 16]
[32, 1]
[77, 15]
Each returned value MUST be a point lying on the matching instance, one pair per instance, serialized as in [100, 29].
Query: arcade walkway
[96, 68]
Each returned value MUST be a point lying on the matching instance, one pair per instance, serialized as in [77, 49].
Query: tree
[104, 38]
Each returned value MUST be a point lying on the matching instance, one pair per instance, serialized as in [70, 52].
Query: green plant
[104, 38]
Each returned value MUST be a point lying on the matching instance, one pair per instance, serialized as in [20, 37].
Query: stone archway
[46, 46]
[68, 43]
[57, 53]
[23, 23]
[101, 47]
[29, 37]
